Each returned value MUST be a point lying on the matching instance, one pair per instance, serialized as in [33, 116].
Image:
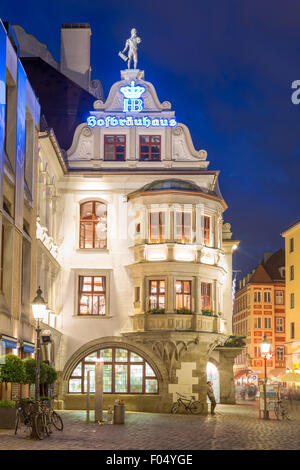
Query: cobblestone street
[233, 427]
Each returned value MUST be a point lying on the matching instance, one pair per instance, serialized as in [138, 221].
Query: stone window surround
[92, 272]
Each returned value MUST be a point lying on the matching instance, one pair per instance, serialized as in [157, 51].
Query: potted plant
[156, 311]
[7, 414]
[183, 311]
[207, 312]
[11, 371]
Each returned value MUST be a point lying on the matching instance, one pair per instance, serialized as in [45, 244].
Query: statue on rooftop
[132, 46]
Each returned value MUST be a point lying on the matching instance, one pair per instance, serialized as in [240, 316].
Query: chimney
[267, 255]
[75, 54]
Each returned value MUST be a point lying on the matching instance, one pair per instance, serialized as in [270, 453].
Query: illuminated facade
[292, 260]
[260, 310]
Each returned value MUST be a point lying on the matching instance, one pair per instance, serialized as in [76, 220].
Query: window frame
[204, 296]
[94, 222]
[258, 292]
[92, 294]
[113, 363]
[281, 292]
[182, 237]
[115, 144]
[282, 350]
[279, 325]
[162, 227]
[183, 295]
[149, 146]
[268, 295]
[206, 231]
[157, 294]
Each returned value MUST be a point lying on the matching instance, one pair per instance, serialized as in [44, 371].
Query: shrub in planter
[208, 313]
[183, 311]
[12, 370]
[7, 414]
[30, 366]
[156, 311]
[51, 374]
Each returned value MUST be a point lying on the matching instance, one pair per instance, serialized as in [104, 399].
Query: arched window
[123, 372]
[93, 225]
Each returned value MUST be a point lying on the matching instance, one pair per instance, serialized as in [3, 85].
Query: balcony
[177, 322]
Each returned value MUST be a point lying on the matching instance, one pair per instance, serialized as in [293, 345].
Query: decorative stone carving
[177, 130]
[87, 131]
[226, 231]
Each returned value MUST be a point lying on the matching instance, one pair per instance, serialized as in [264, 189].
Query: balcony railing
[177, 322]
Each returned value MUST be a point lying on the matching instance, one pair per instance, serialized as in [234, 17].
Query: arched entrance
[213, 376]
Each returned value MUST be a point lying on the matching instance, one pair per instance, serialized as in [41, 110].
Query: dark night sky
[227, 68]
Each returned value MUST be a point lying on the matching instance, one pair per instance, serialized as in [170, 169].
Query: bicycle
[35, 421]
[281, 411]
[53, 418]
[189, 404]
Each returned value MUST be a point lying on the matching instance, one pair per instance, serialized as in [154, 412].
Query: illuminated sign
[130, 121]
[132, 97]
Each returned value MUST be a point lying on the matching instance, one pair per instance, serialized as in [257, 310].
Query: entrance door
[213, 376]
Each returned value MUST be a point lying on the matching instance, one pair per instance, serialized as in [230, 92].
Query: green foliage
[30, 366]
[183, 311]
[208, 313]
[156, 311]
[7, 404]
[12, 370]
[51, 374]
[235, 341]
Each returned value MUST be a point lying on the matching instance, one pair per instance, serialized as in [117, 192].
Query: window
[257, 322]
[292, 273]
[291, 245]
[93, 225]
[292, 331]
[279, 325]
[114, 147]
[206, 230]
[124, 371]
[280, 353]
[292, 300]
[256, 351]
[279, 297]
[268, 323]
[267, 297]
[157, 227]
[92, 295]
[257, 297]
[183, 227]
[183, 295]
[206, 295]
[150, 147]
[157, 294]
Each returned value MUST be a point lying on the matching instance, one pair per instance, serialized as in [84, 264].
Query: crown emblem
[133, 91]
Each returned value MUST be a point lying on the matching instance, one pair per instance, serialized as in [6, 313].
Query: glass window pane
[109, 138]
[107, 377]
[98, 284]
[151, 386]
[91, 357]
[106, 355]
[75, 385]
[86, 210]
[136, 378]
[153, 287]
[121, 378]
[178, 287]
[135, 357]
[77, 371]
[100, 209]
[121, 355]
[86, 284]
[91, 368]
[101, 299]
[120, 138]
[144, 138]
[162, 286]
[149, 371]
[95, 304]
[187, 287]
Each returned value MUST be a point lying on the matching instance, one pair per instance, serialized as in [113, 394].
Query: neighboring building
[260, 309]
[19, 126]
[132, 254]
[292, 262]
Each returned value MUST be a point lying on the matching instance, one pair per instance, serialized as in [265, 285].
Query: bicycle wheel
[39, 426]
[196, 407]
[17, 422]
[57, 421]
[175, 408]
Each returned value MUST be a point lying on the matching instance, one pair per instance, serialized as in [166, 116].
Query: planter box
[7, 418]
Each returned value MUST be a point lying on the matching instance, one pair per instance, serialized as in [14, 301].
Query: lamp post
[38, 310]
[265, 347]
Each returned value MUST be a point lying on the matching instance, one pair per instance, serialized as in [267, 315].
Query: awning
[239, 373]
[28, 347]
[9, 341]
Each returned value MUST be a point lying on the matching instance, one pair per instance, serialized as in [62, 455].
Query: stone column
[227, 356]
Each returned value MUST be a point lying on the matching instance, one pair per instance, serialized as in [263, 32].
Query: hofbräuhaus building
[146, 260]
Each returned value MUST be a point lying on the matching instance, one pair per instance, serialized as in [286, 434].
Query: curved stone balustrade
[177, 322]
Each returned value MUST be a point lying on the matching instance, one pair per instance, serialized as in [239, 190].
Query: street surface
[233, 427]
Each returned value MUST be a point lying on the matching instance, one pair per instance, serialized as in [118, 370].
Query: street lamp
[38, 310]
[265, 347]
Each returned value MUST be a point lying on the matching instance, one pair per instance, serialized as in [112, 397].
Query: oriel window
[150, 147]
[157, 294]
[206, 295]
[114, 147]
[183, 227]
[93, 225]
[157, 227]
[92, 295]
[183, 295]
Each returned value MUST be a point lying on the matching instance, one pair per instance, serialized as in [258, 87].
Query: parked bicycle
[35, 421]
[281, 411]
[53, 418]
[189, 404]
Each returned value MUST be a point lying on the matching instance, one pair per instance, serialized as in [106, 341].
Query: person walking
[211, 396]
